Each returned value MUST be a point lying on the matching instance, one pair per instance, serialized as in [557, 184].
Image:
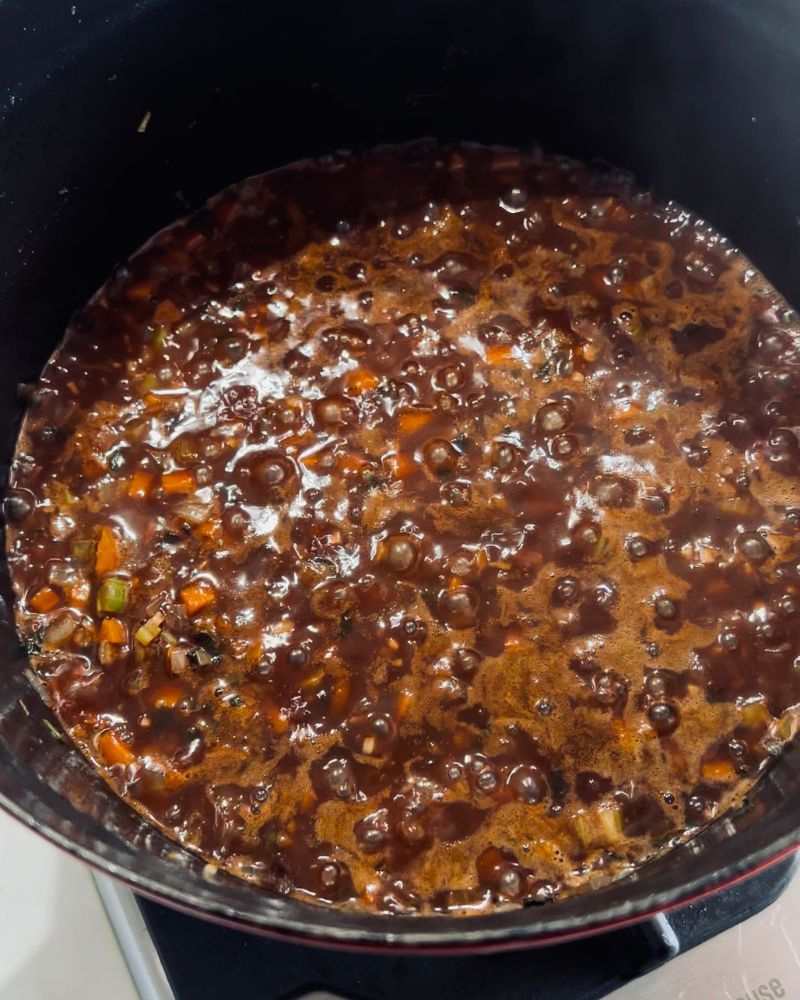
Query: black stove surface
[203, 960]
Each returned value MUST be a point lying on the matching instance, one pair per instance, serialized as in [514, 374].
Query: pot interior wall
[697, 98]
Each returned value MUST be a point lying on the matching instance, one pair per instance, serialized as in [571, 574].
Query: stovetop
[731, 945]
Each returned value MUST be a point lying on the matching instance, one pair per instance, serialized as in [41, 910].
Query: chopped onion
[106, 652]
[60, 573]
[151, 629]
[61, 527]
[193, 511]
[179, 661]
[59, 630]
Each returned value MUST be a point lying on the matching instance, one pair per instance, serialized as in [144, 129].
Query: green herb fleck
[159, 337]
[53, 731]
[601, 545]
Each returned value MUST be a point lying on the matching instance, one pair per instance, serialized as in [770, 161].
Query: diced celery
[112, 595]
[83, 549]
[146, 633]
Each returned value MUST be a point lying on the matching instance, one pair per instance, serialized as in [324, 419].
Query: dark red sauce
[420, 530]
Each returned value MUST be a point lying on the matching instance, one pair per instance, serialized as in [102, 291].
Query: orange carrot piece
[404, 701]
[361, 380]
[179, 481]
[166, 313]
[278, 721]
[197, 595]
[107, 555]
[139, 290]
[114, 750]
[339, 695]
[411, 421]
[398, 465]
[140, 485]
[627, 411]
[351, 463]
[44, 600]
[114, 631]
[625, 737]
[497, 354]
[718, 770]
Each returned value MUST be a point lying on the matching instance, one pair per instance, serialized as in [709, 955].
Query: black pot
[698, 97]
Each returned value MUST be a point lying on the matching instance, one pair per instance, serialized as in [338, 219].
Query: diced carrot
[351, 463]
[722, 771]
[208, 529]
[107, 555]
[411, 421]
[626, 411]
[166, 313]
[278, 721]
[197, 595]
[140, 485]
[625, 737]
[113, 630]
[44, 600]
[398, 465]
[339, 695]
[139, 290]
[361, 380]
[114, 750]
[167, 696]
[315, 458]
[179, 481]
[497, 354]
[404, 701]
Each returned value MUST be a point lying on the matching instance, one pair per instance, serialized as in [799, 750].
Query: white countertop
[56, 943]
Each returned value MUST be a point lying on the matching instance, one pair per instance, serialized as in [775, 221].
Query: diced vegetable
[601, 824]
[498, 353]
[60, 630]
[107, 557]
[112, 595]
[411, 421]
[151, 629]
[721, 771]
[197, 595]
[398, 465]
[193, 511]
[83, 549]
[44, 600]
[361, 380]
[140, 485]
[113, 630]
[178, 661]
[113, 750]
[107, 652]
[179, 481]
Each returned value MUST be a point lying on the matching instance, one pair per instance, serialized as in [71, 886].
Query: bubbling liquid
[419, 530]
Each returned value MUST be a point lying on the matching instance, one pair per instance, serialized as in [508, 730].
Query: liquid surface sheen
[420, 530]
